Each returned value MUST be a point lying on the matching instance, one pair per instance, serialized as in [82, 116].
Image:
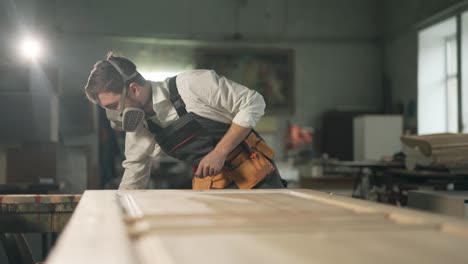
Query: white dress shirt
[204, 93]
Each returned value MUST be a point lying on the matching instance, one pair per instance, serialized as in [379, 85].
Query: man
[197, 116]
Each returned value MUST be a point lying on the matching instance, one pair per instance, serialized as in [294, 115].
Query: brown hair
[105, 78]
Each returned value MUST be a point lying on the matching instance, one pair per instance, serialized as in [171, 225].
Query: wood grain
[253, 226]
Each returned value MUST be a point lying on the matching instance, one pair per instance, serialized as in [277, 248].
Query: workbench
[389, 182]
[453, 203]
[45, 214]
[253, 226]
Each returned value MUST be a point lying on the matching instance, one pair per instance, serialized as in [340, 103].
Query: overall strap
[154, 128]
[176, 100]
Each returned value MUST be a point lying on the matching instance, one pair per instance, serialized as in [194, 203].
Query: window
[438, 78]
[451, 84]
[464, 73]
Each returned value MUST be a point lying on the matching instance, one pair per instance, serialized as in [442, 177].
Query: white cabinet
[376, 136]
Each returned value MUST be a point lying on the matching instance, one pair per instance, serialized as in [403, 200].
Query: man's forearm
[231, 139]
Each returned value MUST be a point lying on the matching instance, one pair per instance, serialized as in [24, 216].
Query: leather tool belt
[247, 165]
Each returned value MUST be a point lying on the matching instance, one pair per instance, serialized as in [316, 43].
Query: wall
[337, 59]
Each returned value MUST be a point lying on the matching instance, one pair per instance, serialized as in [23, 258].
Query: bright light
[30, 48]
[158, 75]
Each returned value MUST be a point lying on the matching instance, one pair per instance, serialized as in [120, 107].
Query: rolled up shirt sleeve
[140, 149]
[245, 105]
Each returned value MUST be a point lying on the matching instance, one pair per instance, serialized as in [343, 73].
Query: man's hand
[211, 164]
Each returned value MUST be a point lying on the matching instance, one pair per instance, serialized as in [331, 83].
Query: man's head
[116, 85]
[106, 84]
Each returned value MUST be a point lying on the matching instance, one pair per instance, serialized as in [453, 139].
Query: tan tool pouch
[244, 168]
[250, 172]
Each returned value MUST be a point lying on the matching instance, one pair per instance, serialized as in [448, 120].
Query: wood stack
[437, 150]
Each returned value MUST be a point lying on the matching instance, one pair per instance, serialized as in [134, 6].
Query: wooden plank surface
[255, 226]
[95, 233]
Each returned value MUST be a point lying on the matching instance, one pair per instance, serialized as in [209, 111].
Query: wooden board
[256, 226]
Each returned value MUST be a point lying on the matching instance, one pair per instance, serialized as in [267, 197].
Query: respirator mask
[129, 118]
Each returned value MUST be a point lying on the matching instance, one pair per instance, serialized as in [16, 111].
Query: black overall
[192, 137]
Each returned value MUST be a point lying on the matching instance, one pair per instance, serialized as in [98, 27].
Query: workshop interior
[366, 112]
